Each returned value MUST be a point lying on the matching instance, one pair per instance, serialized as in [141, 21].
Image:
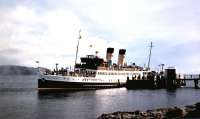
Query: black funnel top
[110, 50]
[122, 51]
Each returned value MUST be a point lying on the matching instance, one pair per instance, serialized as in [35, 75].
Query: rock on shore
[191, 111]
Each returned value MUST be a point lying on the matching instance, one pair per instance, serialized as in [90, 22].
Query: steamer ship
[93, 72]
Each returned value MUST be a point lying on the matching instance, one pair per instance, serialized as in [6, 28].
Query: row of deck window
[112, 73]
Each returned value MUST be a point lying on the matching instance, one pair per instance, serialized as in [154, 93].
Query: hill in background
[17, 70]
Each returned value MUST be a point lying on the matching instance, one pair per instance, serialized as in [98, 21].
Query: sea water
[19, 99]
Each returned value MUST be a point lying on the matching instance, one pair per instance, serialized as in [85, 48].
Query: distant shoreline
[10, 70]
[189, 111]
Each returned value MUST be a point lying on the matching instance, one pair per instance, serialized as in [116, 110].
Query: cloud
[46, 37]
[48, 30]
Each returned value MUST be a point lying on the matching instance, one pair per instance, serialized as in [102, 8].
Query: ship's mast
[77, 49]
[150, 55]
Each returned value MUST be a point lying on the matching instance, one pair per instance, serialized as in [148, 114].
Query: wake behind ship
[92, 73]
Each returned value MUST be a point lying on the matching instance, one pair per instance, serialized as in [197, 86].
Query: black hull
[60, 85]
[140, 84]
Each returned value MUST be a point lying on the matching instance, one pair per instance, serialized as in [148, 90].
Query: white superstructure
[94, 72]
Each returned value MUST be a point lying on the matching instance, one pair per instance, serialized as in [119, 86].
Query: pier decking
[167, 80]
[189, 77]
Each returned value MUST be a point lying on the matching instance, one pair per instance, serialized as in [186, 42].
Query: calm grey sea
[19, 99]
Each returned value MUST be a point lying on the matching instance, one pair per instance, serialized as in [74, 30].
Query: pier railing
[188, 76]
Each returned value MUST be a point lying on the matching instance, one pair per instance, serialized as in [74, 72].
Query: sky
[47, 31]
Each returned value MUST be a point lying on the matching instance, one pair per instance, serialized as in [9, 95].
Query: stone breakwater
[186, 112]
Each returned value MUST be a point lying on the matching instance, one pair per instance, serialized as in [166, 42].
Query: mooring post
[196, 83]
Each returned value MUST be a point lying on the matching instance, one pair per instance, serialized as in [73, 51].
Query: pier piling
[196, 84]
[165, 80]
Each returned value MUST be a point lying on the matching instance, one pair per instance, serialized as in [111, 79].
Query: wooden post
[196, 83]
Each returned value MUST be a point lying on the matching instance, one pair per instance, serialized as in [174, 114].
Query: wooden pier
[182, 82]
[167, 80]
